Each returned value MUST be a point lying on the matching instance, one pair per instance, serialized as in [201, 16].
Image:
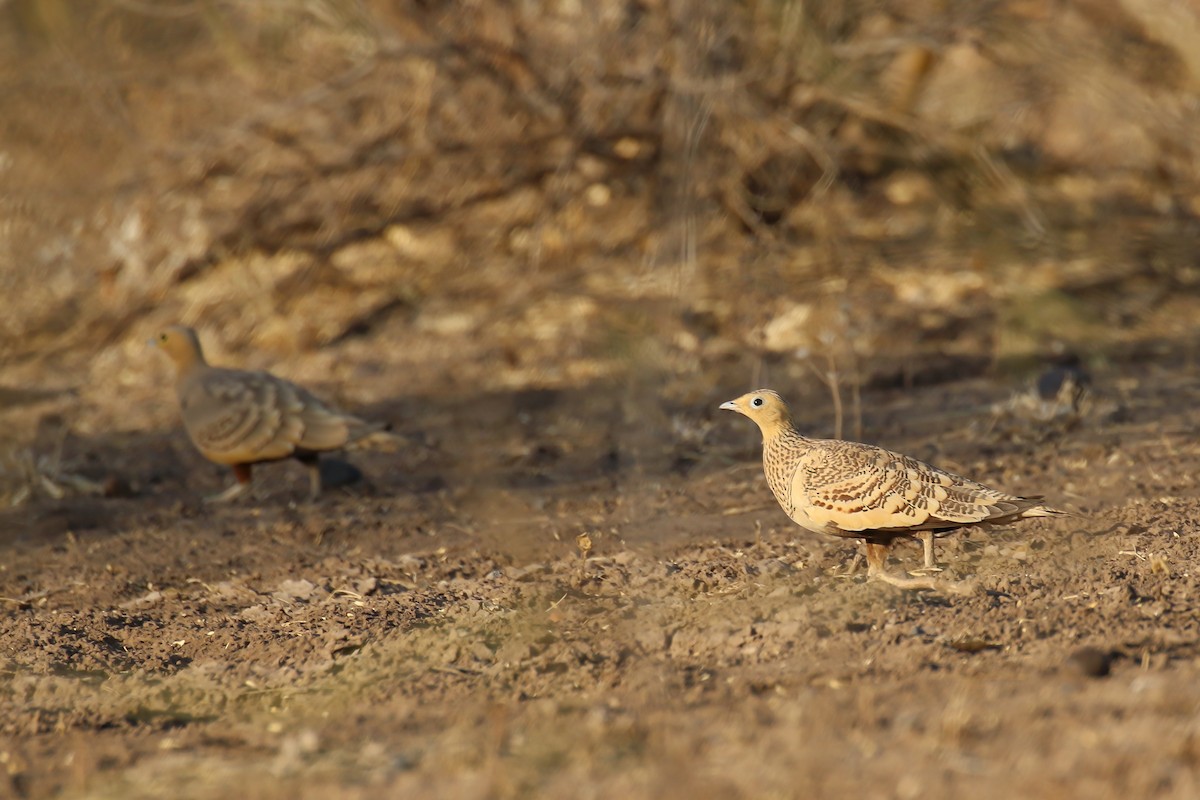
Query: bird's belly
[801, 518]
[229, 455]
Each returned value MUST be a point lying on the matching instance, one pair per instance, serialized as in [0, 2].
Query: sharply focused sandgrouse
[859, 491]
[240, 418]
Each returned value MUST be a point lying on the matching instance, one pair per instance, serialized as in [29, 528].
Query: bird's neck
[783, 438]
[188, 372]
[781, 430]
[781, 452]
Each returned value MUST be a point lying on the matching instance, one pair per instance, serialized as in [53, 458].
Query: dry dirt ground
[545, 240]
[438, 630]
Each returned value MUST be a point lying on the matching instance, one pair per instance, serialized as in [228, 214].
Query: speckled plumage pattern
[239, 418]
[848, 489]
[865, 492]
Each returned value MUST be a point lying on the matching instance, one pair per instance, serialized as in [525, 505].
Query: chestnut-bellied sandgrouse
[860, 491]
[240, 418]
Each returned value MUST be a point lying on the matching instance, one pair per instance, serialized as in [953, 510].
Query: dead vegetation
[545, 239]
[306, 174]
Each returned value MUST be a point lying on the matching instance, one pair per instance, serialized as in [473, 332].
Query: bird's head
[181, 344]
[765, 407]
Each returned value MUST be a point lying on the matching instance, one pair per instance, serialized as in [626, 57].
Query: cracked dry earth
[443, 630]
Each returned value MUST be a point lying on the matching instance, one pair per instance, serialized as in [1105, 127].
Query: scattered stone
[148, 599]
[295, 590]
[256, 613]
[1091, 662]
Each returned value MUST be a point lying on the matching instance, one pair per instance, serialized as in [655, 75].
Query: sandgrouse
[240, 418]
[864, 492]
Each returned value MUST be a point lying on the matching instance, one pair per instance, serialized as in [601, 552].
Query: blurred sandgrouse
[859, 491]
[240, 418]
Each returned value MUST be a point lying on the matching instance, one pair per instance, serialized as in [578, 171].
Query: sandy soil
[545, 240]
[439, 630]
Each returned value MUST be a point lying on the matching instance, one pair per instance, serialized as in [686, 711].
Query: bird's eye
[162, 337]
[757, 402]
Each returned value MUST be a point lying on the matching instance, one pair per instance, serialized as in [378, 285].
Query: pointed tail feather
[1044, 511]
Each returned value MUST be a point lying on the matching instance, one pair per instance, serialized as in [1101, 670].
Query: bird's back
[849, 488]
[238, 416]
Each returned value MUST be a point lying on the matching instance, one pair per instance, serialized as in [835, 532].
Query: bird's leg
[876, 558]
[242, 473]
[312, 462]
[926, 538]
[876, 569]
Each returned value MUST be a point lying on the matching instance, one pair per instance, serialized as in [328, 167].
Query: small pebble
[1091, 662]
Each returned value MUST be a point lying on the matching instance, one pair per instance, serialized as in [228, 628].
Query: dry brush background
[545, 239]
